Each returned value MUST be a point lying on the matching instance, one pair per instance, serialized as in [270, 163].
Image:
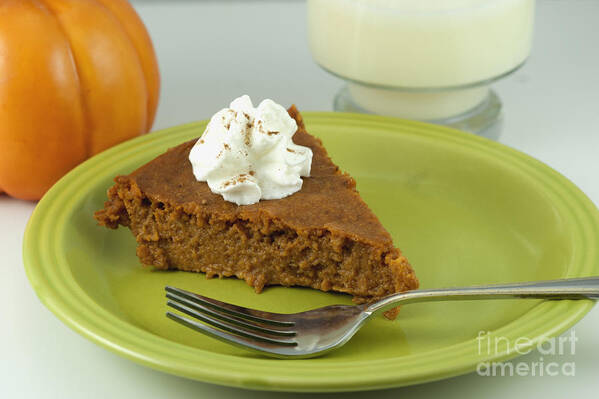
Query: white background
[211, 52]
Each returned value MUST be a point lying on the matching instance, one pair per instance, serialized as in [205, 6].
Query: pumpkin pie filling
[323, 236]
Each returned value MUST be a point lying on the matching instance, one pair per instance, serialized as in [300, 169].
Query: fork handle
[572, 288]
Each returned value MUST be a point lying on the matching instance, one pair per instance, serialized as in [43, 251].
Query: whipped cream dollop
[246, 154]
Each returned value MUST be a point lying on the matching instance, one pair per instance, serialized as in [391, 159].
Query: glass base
[483, 118]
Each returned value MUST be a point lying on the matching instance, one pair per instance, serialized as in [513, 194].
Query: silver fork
[315, 332]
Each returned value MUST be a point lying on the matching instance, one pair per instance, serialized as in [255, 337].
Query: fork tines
[234, 324]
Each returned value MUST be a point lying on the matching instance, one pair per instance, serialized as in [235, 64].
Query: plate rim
[67, 301]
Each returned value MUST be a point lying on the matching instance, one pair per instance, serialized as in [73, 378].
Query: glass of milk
[430, 60]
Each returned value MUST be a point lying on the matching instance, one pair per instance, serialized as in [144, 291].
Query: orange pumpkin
[76, 77]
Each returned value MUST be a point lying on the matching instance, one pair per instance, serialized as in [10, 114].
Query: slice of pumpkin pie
[321, 236]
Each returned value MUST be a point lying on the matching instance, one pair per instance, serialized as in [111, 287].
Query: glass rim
[456, 10]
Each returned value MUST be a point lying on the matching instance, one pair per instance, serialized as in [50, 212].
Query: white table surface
[212, 51]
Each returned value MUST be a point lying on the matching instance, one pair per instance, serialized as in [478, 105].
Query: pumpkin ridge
[112, 81]
[42, 124]
[138, 56]
[84, 105]
[151, 97]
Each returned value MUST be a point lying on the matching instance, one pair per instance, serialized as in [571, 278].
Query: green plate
[463, 209]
